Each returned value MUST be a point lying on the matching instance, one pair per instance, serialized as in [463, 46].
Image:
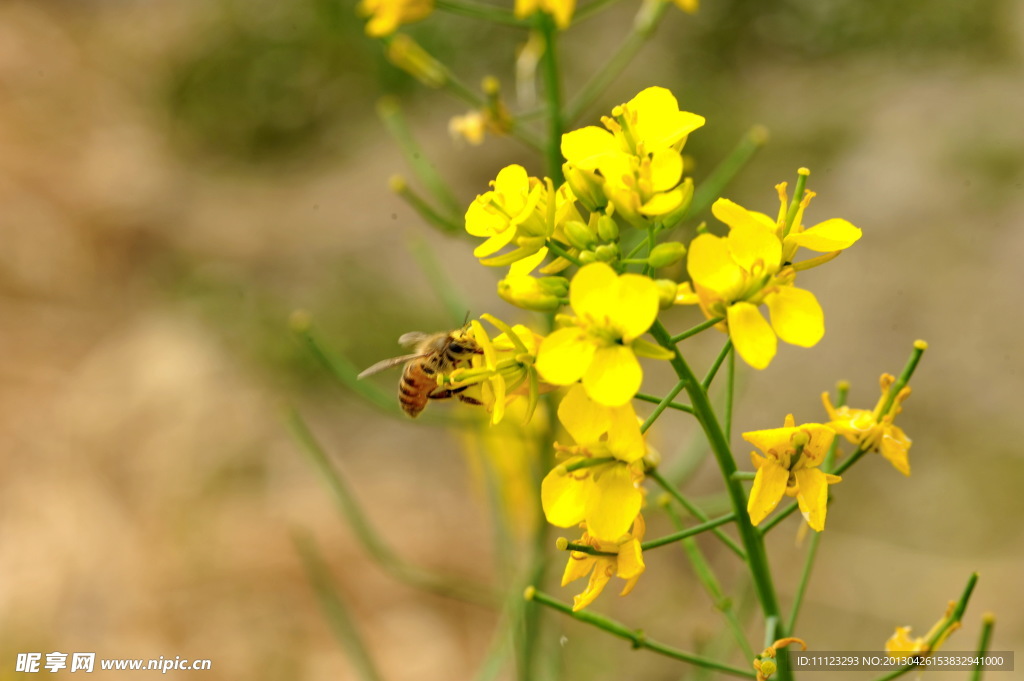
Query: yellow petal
[630, 563]
[585, 420]
[711, 266]
[894, 447]
[778, 440]
[812, 495]
[590, 289]
[831, 235]
[604, 568]
[735, 215]
[482, 219]
[633, 305]
[579, 565]
[613, 504]
[625, 441]
[900, 642]
[796, 316]
[769, 488]
[585, 148]
[751, 335]
[755, 249]
[564, 356]
[662, 204]
[613, 377]
[666, 169]
[495, 243]
[820, 439]
[564, 496]
[660, 123]
[513, 184]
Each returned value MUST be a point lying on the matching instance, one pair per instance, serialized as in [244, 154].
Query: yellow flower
[503, 369]
[625, 561]
[599, 483]
[519, 209]
[523, 290]
[387, 15]
[874, 430]
[601, 343]
[688, 6]
[901, 642]
[470, 127]
[646, 187]
[790, 467]
[560, 10]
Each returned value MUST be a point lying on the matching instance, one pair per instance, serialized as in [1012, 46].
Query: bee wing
[387, 364]
[413, 338]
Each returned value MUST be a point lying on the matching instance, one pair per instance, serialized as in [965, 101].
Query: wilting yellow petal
[564, 356]
[894, 447]
[579, 565]
[769, 488]
[796, 316]
[751, 335]
[564, 496]
[613, 377]
[812, 495]
[630, 564]
[831, 235]
[604, 568]
[613, 503]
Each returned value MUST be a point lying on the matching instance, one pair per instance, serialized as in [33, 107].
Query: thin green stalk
[394, 121]
[710, 582]
[635, 636]
[440, 282]
[382, 554]
[798, 196]
[643, 28]
[988, 622]
[553, 93]
[342, 622]
[710, 376]
[473, 10]
[695, 330]
[744, 475]
[715, 183]
[752, 540]
[688, 532]
[429, 214]
[589, 463]
[657, 400]
[662, 406]
[694, 511]
[559, 249]
[730, 394]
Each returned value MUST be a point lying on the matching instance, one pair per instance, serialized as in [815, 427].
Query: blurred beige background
[177, 176]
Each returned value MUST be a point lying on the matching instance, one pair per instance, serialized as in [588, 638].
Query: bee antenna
[465, 321]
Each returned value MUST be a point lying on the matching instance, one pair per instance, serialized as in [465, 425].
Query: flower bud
[668, 253]
[666, 292]
[579, 235]
[607, 228]
[587, 257]
[406, 54]
[607, 252]
[529, 294]
[586, 186]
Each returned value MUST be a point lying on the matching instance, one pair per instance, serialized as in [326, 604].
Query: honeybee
[436, 353]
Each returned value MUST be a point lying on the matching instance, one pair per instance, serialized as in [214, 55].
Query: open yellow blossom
[600, 345]
[387, 15]
[560, 10]
[647, 187]
[519, 210]
[622, 558]
[790, 467]
[901, 642]
[873, 430]
[599, 483]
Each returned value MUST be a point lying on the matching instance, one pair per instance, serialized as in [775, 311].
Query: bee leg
[453, 392]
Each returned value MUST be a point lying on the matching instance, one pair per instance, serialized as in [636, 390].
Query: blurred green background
[178, 176]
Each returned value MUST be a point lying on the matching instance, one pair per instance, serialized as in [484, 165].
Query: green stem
[559, 249]
[908, 371]
[730, 394]
[657, 400]
[422, 208]
[710, 582]
[475, 10]
[798, 196]
[553, 92]
[694, 511]
[662, 406]
[589, 463]
[744, 475]
[710, 376]
[643, 29]
[694, 331]
[382, 554]
[753, 542]
[688, 532]
[988, 622]
[635, 636]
